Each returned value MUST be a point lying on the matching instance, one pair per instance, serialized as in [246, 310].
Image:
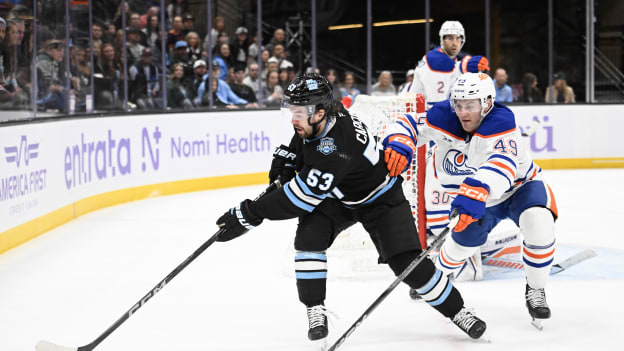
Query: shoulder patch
[442, 118]
[439, 61]
[500, 120]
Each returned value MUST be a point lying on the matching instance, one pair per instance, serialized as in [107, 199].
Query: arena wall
[52, 172]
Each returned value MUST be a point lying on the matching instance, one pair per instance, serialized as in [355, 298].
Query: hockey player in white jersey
[439, 68]
[481, 155]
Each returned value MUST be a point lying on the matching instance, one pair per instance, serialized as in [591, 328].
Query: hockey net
[353, 254]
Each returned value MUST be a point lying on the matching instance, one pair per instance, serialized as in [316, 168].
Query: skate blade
[537, 323]
[321, 344]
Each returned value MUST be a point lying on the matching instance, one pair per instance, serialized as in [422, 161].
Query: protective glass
[463, 106]
[296, 112]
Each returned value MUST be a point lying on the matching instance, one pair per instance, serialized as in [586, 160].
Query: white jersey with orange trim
[435, 74]
[494, 154]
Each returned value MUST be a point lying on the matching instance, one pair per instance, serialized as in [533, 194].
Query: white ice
[72, 283]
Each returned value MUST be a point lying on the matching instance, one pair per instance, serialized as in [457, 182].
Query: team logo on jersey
[454, 163]
[326, 146]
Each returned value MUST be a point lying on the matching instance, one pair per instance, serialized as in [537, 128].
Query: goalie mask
[305, 95]
[471, 86]
[452, 27]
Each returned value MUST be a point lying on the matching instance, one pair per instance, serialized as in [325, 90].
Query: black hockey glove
[283, 164]
[237, 221]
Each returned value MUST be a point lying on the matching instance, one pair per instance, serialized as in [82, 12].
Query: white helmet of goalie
[452, 27]
[474, 86]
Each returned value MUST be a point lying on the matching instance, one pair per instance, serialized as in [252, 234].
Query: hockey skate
[466, 320]
[537, 306]
[317, 319]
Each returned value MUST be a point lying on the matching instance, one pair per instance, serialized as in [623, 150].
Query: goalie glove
[398, 152]
[283, 164]
[470, 202]
[475, 64]
[237, 221]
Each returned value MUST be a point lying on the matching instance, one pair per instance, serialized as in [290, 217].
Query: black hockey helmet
[309, 89]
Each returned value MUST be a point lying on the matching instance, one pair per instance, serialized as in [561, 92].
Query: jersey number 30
[319, 179]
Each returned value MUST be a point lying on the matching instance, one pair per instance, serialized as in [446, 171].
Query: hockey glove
[398, 152]
[470, 202]
[478, 64]
[237, 221]
[283, 164]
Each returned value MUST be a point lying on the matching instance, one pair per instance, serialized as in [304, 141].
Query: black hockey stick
[434, 245]
[48, 346]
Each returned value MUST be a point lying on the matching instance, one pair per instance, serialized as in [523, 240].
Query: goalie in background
[480, 154]
[334, 175]
[436, 72]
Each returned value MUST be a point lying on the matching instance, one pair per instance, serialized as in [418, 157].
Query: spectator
[265, 55]
[110, 31]
[211, 40]
[200, 75]
[272, 93]
[279, 52]
[177, 8]
[283, 78]
[559, 92]
[242, 90]
[145, 82]
[97, 32]
[145, 17]
[223, 59]
[503, 90]
[177, 95]
[222, 38]
[194, 49]
[181, 56]
[409, 78]
[279, 37]
[188, 24]
[530, 92]
[348, 87]
[332, 78]
[253, 50]
[240, 46]
[251, 80]
[384, 86]
[135, 22]
[175, 34]
[117, 20]
[133, 45]
[223, 94]
[106, 79]
[152, 31]
[51, 86]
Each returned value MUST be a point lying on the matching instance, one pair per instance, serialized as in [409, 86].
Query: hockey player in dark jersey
[341, 178]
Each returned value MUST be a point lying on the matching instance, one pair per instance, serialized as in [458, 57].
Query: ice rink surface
[72, 283]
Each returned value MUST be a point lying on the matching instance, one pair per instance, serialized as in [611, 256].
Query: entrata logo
[24, 152]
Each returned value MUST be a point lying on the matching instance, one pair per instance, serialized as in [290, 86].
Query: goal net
[353, 254]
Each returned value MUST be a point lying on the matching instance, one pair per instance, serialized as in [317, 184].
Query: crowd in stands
[236, 80]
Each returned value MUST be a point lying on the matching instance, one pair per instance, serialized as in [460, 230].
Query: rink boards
[54, 171]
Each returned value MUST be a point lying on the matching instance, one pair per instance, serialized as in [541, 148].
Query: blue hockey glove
[478, 64]
[237, 221]
[470, 202]
[398, 152]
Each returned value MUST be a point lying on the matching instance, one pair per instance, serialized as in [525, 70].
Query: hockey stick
[436, 244]
[48, 346]
[532, 129]
[556, 268]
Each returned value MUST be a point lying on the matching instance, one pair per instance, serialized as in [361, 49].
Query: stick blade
[48, 346]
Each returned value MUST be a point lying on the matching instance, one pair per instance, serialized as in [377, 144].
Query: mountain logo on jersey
[326, 146]
[454, 163]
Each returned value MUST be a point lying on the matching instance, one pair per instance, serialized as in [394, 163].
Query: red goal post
[377, 112]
